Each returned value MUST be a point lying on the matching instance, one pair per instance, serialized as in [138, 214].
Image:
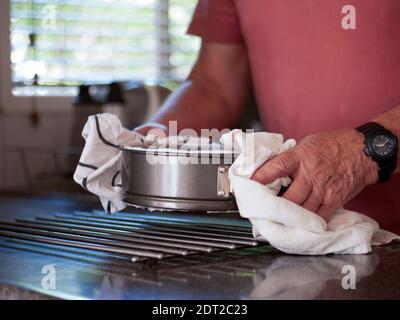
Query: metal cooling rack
[121, 237]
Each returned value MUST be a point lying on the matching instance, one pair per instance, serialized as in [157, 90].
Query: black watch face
[383, 145]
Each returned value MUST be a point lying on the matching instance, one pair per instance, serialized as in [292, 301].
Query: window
[68, 42]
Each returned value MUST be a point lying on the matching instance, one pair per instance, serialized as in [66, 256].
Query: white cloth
[99, 168]
[285, 225]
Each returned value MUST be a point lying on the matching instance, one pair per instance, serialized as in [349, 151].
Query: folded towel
[284, 224]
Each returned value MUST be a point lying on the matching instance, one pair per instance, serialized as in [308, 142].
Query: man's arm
[213, 96]
[328, 169]
[391, 121]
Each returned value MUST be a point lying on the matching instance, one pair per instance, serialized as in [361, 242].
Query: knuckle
[305, 181]
[278, 162]
[283, 162]
[332, 198]
[319, 193]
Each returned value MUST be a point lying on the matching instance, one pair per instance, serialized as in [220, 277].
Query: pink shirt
[312, 75]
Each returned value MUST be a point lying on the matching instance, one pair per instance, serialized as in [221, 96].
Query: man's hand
[153, 127]
[327, 169]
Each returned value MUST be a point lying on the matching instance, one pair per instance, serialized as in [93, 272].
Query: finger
[155, 128]
[298, 191]
[282, 165]
[326, 211]
[313, 202]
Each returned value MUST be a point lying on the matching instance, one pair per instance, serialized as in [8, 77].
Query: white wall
[21, 137]
[16, 129]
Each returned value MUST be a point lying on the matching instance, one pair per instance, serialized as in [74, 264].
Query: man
[319, 70]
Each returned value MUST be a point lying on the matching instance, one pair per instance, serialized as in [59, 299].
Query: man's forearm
[391, 121]
[215, 93]
[197, 105]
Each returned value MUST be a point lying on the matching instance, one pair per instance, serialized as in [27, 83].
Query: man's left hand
[327, 170]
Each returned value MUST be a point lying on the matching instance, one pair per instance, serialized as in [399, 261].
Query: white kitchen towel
[284, 224]
[99, 167]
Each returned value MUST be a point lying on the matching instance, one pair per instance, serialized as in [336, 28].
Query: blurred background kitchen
[62, 60]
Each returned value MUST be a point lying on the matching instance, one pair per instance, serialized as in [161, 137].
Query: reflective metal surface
[248, 273]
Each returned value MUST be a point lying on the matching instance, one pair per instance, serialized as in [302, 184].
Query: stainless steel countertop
[257, 273]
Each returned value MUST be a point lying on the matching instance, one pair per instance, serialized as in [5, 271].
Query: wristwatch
[381, 146]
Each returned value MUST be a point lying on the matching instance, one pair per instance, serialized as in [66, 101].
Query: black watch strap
[370, 129]
[386, 166]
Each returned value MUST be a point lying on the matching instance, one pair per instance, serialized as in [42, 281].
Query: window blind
[68, 42]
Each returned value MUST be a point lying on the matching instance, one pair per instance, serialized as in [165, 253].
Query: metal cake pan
[175, 179]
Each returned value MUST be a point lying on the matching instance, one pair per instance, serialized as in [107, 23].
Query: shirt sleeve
[216, 21]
